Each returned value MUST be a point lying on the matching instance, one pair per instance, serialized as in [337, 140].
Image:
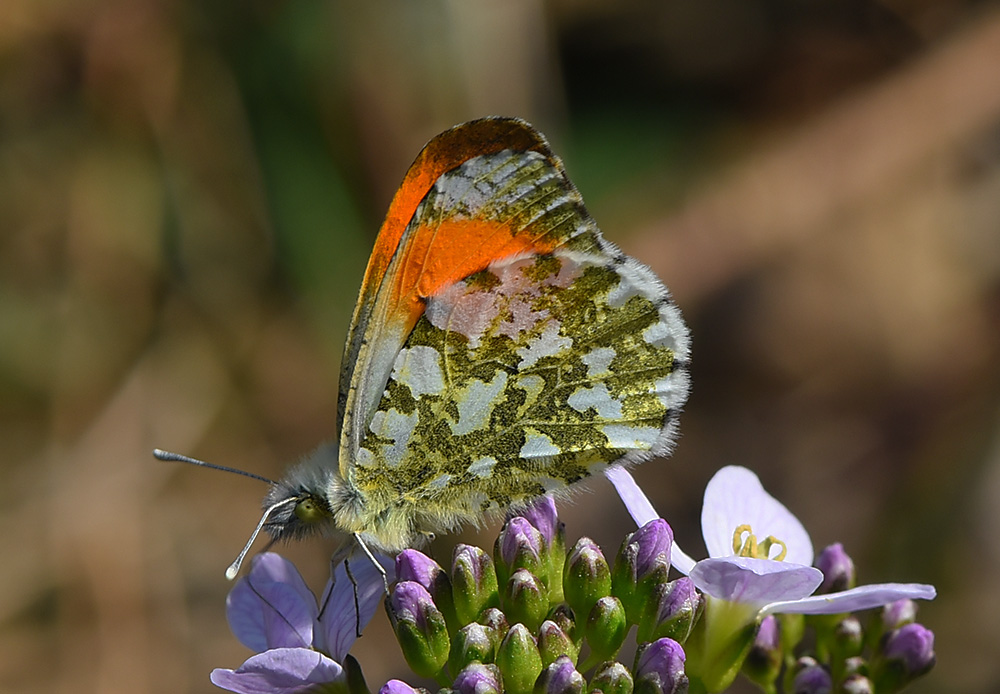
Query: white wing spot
[548, 344]
[483, 467]
[538, 445]
[476, 403]
[398, 428]
[598, 361]
[623, 436]
[439, 482]
[419, 369]
[598, 397]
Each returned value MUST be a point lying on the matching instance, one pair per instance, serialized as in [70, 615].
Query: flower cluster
[537, 617]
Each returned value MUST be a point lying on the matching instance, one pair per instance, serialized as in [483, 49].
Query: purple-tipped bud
[553, 642]
[525, 599]
[587, 577]
[412, 565]
[659, 668]
[654, 541]
[519, 660]
[473, 642]
[642, 562]
[763, 662]
[612, 678]
[420, 628]
[398, 687]
[474, 583]
[837, 568]
[896, 614]
[519, 546]
[543, 515]
[812, 678]
[606, 628]
[477, 678]
[560, 677]
[857, 684]
[904, 655]
[678, 606]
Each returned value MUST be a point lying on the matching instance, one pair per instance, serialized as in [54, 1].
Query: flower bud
[473, 642]
[560, 677]
[543, 516]
[848, 639]
[474, 583]
[477, 678]
[856, 684]
[354, 677]
[413, 565]
[399, 687]
[496, 620]
[677, 608]
[659, 668]
[519, 661]
[606, 628]
[837, 568]
[587, 577]
[420, 628]
[554, 642]
[642, 562]
[904, 655]
[812, 678]
[525, 599]
[519, 546]
[611, 678]
[896, 614]
[763, 663]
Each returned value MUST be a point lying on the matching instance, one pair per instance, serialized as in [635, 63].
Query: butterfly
[500, 349]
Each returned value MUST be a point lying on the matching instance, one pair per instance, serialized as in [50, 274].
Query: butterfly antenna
[234, 568]
[178, 458]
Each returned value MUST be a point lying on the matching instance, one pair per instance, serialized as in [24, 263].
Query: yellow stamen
[745, 544]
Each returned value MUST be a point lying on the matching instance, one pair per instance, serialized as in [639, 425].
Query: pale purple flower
[760, 556]
[273, 612]
[543, 516]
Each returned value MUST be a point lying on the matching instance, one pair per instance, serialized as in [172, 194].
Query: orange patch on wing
[445, 152]
[454, 250]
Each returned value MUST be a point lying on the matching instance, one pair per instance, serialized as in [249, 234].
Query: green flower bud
[519, 661]
[611, 678]
[672, 612]
[420, 628]
[474, 583]
[587, 577]
[763, 663]
[473, 642]
[554, 642]
[519, 546]
[477, 678]
[353, 676]
[496, 620]
[606, 628]
[525, 600]
[643, 563]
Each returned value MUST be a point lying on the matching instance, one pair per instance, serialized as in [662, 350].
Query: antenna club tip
[159, 452]
[231, 572]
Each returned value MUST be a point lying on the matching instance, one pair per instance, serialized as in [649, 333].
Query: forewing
[555, 360]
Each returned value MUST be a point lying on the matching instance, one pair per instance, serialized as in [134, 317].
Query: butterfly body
[500, 349]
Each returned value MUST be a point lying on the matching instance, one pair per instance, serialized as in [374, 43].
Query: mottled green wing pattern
[529, 375]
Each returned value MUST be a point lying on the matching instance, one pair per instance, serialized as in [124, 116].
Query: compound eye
[308, 511]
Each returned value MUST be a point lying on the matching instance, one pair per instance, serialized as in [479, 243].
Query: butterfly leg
[378, 566]
[340, 556]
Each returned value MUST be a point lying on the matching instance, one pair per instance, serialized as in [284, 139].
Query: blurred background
[189, 191]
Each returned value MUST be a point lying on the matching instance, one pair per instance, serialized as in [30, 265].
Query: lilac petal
[279, 671]
[340, 623]
[396, 687]
[632, 496]
[756, 582]
[735, 497]
[271, 607]
[642, 511]
[860, 598]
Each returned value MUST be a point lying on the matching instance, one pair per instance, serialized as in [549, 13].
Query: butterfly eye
[308, 511]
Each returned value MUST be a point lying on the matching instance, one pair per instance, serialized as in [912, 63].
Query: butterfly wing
[508, 350]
